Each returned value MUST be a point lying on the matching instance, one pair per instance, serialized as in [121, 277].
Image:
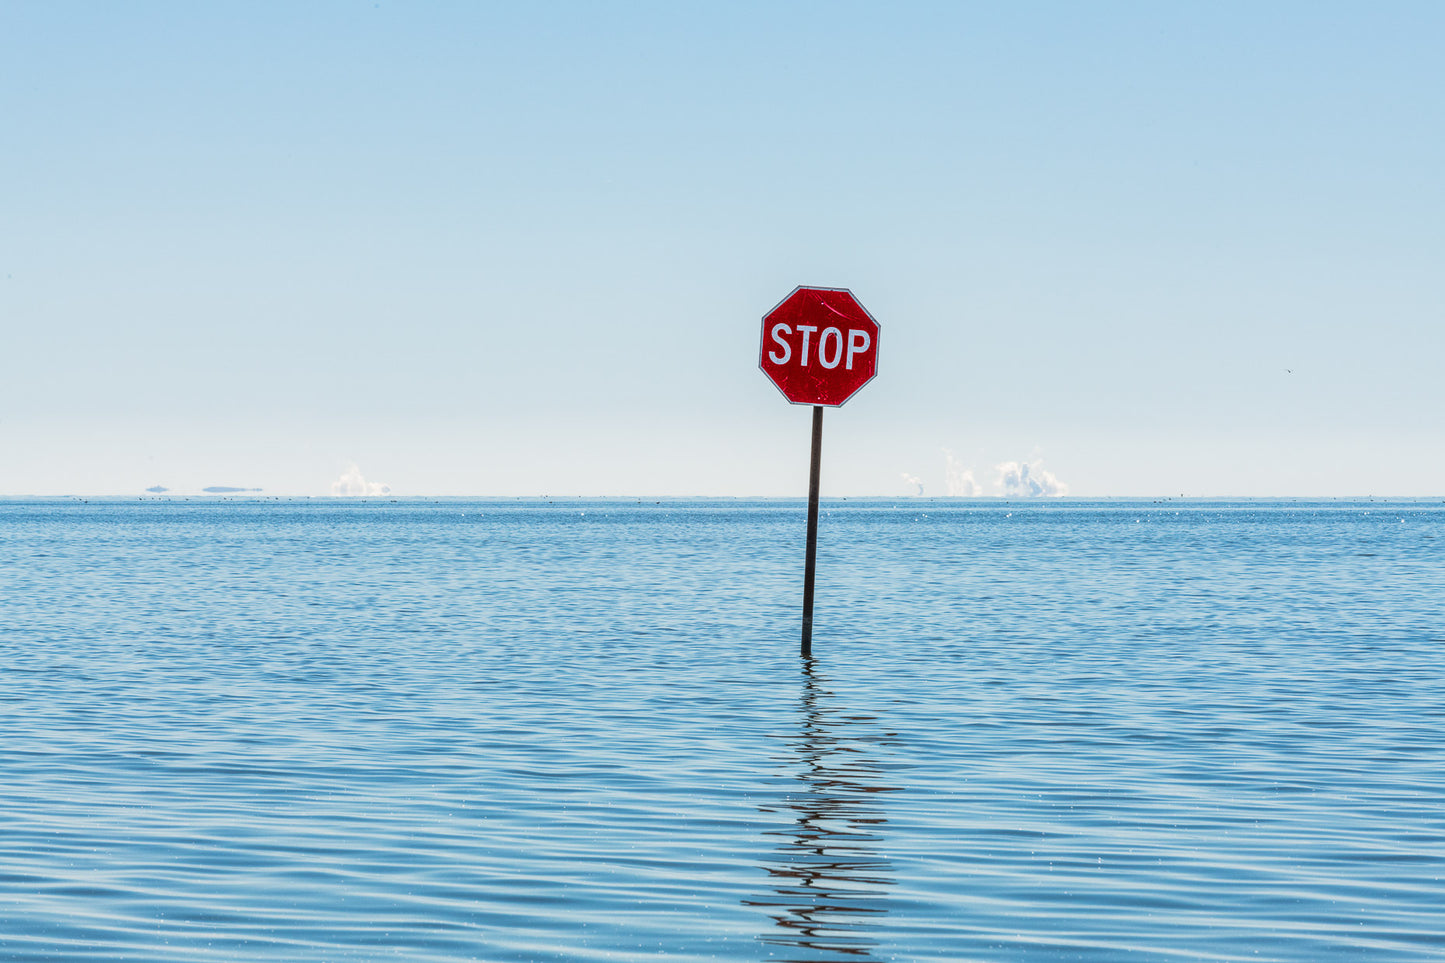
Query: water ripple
[326, 731]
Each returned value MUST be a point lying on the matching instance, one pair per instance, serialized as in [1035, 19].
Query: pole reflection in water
[829, 877]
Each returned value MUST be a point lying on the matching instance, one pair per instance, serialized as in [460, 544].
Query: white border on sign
[763, 343]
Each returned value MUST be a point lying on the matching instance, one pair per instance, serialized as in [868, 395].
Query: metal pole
[814, 470]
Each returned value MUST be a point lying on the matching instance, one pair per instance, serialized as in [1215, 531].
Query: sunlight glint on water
[579, 731]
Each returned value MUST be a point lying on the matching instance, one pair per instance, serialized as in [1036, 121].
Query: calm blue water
[579, 731]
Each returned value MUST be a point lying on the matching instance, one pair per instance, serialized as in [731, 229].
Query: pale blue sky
[522, 249]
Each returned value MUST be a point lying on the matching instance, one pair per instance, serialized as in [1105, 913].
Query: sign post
[819, 346]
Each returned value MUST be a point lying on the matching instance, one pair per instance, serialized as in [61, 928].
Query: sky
[1114, 249]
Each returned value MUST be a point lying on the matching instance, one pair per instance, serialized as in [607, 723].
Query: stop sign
[819, 346]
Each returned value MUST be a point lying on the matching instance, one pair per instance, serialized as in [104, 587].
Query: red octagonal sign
[819, 346]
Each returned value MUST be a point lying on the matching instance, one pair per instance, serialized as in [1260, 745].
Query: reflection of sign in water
[829, 878]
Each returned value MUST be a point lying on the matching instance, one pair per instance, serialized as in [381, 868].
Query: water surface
[365, 730]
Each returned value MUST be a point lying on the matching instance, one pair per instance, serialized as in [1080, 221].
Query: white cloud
[1027, 479]
[960, 481]
[913, 480]
[352, 483]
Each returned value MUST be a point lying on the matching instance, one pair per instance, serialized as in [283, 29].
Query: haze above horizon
[481, 250]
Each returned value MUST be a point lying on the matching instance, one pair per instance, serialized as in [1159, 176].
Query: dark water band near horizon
[519, 731]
